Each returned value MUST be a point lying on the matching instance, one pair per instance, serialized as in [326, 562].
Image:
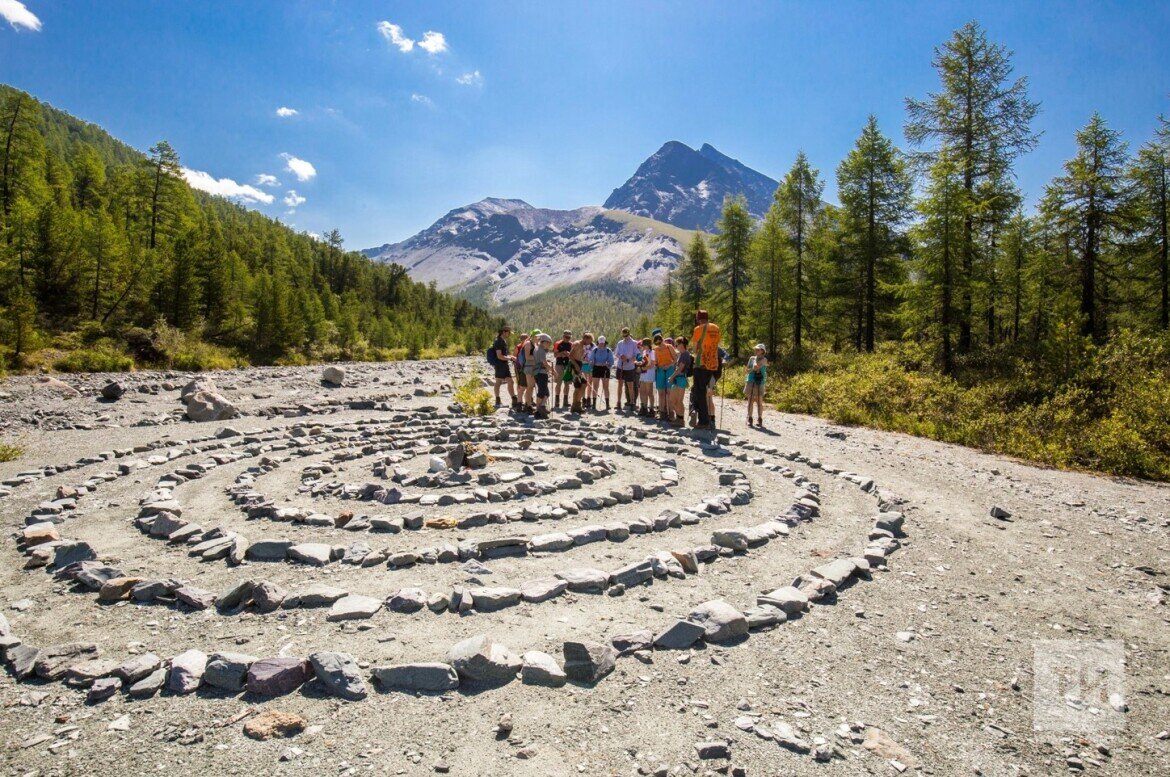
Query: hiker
[645, 364]
[663, 369]
[753, 387]
[521, 378]
[724, 357]
[577, 367]
[501, 362]
[528, 361]
[602, 360]
[540, 354]
[683, 364]
[564, 376]
[587, 371]
[706, 340]
[627, 354]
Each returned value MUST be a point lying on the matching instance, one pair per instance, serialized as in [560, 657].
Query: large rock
[197, 386]
[430, 677]
[269, 550]
[277, 676]
[228, 671]
[53, 662]
[492, 599]
[317, 554]
[340, 675]
[187, 671]
[836, 572]
[588, 662]
[482, 659]
[720, 621]
[334, 376]
[113, 391]
[541, 669]
[207, 406]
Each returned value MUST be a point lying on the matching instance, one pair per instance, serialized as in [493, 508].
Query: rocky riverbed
[336, 571]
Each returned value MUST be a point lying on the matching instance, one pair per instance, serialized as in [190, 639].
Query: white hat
[601, 340]
[760, 347]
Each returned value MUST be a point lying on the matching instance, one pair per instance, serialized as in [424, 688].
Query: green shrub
[10, 452]
[471, 395]
[94, 360]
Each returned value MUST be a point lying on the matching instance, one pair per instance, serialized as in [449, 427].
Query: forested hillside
[108, 258]
[931, 300]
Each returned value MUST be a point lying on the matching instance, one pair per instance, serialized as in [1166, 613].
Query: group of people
[652, 373]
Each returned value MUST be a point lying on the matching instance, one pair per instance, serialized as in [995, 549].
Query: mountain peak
[686, 188]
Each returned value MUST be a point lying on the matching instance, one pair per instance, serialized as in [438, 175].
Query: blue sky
[552, 102]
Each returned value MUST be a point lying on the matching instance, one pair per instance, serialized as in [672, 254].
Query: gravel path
[929, 666]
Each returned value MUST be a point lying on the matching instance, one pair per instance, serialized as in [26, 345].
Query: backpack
[492, 358]
[520, 355]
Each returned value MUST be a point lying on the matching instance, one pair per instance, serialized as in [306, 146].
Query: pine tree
[930, 304]
[982, 121]
[732, 244]
[799, 201]
[770, 260]
[875, 192]
[693, 274]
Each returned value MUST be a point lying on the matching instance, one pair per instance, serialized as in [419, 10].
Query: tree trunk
[870, 271]
[7, 190]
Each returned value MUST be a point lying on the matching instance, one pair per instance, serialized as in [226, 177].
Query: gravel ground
[937, 652]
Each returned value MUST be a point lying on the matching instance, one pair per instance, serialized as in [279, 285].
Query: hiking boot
[575, 409]
[541, 412]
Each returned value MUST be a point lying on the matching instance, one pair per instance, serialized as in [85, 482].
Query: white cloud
[422, 99]
[292, 199]
[284, 112]
[393, 33]
[304, 171]
[470, 79]
[224, 187]
[433, 42]
[267, 179]
[18, 16]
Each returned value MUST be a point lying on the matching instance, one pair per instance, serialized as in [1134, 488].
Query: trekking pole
[722, 398]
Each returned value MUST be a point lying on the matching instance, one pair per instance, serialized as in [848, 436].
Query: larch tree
[732, 246]
[694, 274]
[1150, 177]
[983, 121]
[798, 201]
[875, 191]
[1094, 194]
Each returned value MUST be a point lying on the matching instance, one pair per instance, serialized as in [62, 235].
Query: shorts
[521, 378]
[627, 376]
[562, 365]
[541, 385]
[503, 372]
[662, 378]
[601, 372]
[647, 376]
[680, 382]
[751, 389]
[586, 369]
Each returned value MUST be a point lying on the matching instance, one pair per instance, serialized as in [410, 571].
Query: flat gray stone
[227, 671]
[353, 607]
[187, 671]
[340, 674]
[836, 572]
[542, 589]
[680, 635]
[317, 554]
[277, 676]
[480, 658]
[585, 580]
[539, 668]
[588, 662]
[269, 550]
[720, 621]
[432, 676]
[492, 599]
[787, 599]
[149, 685]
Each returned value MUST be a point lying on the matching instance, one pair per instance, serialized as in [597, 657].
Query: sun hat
[760, 347]
[601, 340]
[534, 333]
[656, 332]
[545, 338]
[669, 341]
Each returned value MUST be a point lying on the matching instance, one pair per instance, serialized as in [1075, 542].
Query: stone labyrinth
[474, 551]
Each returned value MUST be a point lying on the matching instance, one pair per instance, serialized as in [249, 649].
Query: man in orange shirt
[706, 345]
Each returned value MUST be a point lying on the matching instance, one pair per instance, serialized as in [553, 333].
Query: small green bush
[471, 395]
[10, 452]
[94, 360]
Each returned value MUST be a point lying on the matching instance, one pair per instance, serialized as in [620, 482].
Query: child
[684, 362]
[753, 389]
[664, 368]
[646, 367]
[601, 358]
